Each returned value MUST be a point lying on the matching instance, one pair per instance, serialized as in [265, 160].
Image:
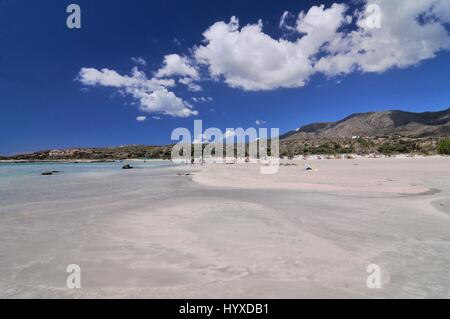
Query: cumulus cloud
[189, 82]
[166, 102]
[152, 94]
[248, 58]
[402, 40]
[176, 65]
[141, 118]
[107, 77]
[260, 122]
[329, 40]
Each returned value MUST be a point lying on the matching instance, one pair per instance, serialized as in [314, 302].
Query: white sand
[230, 232]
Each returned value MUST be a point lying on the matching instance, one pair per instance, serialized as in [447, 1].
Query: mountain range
[376, 124]
[374, 132]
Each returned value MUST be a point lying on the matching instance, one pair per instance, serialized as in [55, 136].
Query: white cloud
[152, 94]
[193, 87]
[139, 60]
[165, 102]
[107, 77]
[176, 65]
[157, 118]
[189, 82]
[141, 118]
[247, 58]
[202, 99]
[332, 40]
[401, 41]
[319, 27]
[260, 122]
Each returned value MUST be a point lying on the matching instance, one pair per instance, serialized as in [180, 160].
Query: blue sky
[45, 105]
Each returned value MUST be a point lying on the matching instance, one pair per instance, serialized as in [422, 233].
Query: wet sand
[228, 232]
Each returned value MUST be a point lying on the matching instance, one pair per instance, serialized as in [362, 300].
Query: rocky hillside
[101, 154]
[389, 132]
[379, 124]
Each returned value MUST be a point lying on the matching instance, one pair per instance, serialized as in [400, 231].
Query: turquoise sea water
[23, 172]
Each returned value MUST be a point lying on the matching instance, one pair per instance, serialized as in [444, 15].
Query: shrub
[443, 147]
[397, 147]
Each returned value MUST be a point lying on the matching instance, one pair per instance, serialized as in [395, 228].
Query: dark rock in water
[184, 174]
[50, 173]
[128, 166]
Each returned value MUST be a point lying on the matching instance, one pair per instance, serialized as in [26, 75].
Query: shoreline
[295, 158]
[81, 161]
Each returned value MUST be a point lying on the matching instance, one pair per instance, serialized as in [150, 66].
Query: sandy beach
[226, 231]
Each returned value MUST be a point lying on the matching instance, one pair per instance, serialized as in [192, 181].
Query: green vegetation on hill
[398, 147]
[289, 148]
[101, 154]
[443, 147]
[363, 146]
